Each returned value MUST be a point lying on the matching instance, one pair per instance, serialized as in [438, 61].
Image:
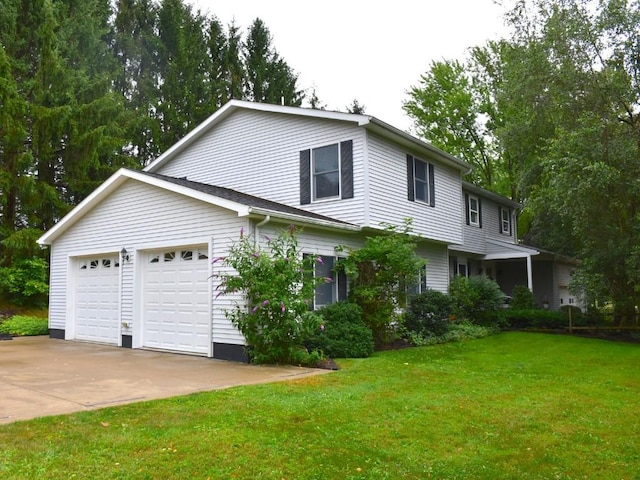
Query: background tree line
[550, 116]
[89, 86]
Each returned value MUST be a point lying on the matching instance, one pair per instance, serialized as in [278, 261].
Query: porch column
[529, 273]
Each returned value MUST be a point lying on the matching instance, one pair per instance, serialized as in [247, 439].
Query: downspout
[256, 230]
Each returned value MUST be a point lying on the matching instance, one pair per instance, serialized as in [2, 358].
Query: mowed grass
[515, 405]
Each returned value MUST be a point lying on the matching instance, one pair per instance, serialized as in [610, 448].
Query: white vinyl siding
[437, 267]
[475, 239]
[139, 216]
[259, 153]
[388, 195]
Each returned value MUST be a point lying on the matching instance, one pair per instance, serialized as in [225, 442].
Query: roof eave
[301, 219]
[389, 131]
[117, 179]
[234, 105]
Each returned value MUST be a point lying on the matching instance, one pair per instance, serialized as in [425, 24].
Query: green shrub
[24, 326]
[535, 318]
[342, 333]
[428, 313]
[458, 331]
[522, 298]
[477, 299]
[379, 274]
[26, 282]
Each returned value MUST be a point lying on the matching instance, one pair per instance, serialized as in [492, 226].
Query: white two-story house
[132, 264]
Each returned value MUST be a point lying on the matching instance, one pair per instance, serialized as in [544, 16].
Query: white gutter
[256, 230]
[303, 219]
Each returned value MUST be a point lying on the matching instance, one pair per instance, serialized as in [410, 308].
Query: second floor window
[473, 209]
[420, 181]
[505, 221]
[326, 172]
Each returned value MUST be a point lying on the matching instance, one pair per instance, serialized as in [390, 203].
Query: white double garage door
[174, 301]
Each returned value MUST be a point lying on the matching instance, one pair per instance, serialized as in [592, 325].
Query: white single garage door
[176, 300]
[97, 299]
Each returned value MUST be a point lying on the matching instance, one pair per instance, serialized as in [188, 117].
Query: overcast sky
[356, 50]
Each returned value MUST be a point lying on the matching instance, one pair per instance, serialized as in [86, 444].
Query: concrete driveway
[40, 376]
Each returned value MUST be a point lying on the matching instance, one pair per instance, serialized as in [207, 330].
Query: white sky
[372, 51]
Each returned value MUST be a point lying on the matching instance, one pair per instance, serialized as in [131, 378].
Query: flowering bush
[278, 285]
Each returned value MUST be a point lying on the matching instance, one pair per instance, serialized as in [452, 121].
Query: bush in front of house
[379, 273]
[277, 284]
[477, 299]
[429, 313]
[458, 331]
[522, 298]
[342, 333]
[22, 325]
[535, 318]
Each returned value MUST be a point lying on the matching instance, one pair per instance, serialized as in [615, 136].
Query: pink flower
[217, 259]
[319, 260]
[255, 309]
[322, 327]
[282, 307]
[265, 303]
[328, 279]
[255, 255]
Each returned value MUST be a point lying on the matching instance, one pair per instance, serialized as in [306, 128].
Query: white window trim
[503, 230]
[416, 180]
[314, 198]
[472, 211]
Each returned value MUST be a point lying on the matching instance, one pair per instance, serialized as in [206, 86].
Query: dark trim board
[127, 341]
[56, 333]
[226, 351]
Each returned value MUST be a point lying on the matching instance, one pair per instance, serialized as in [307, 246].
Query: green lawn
[515, 405]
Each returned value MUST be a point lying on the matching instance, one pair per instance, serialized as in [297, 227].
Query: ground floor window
[334, 290]
[419, 285]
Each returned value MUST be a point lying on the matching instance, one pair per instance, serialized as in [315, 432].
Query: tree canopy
[88, 86]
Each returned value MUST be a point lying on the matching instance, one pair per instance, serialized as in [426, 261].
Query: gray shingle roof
[243, 198]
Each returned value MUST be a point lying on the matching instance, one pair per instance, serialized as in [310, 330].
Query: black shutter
[479, 212]
[466, 208]
[423, 279]
[500, 230]
[510, 220]
[410, 180]
[346, 168]
[305, 177]
[432, 186]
